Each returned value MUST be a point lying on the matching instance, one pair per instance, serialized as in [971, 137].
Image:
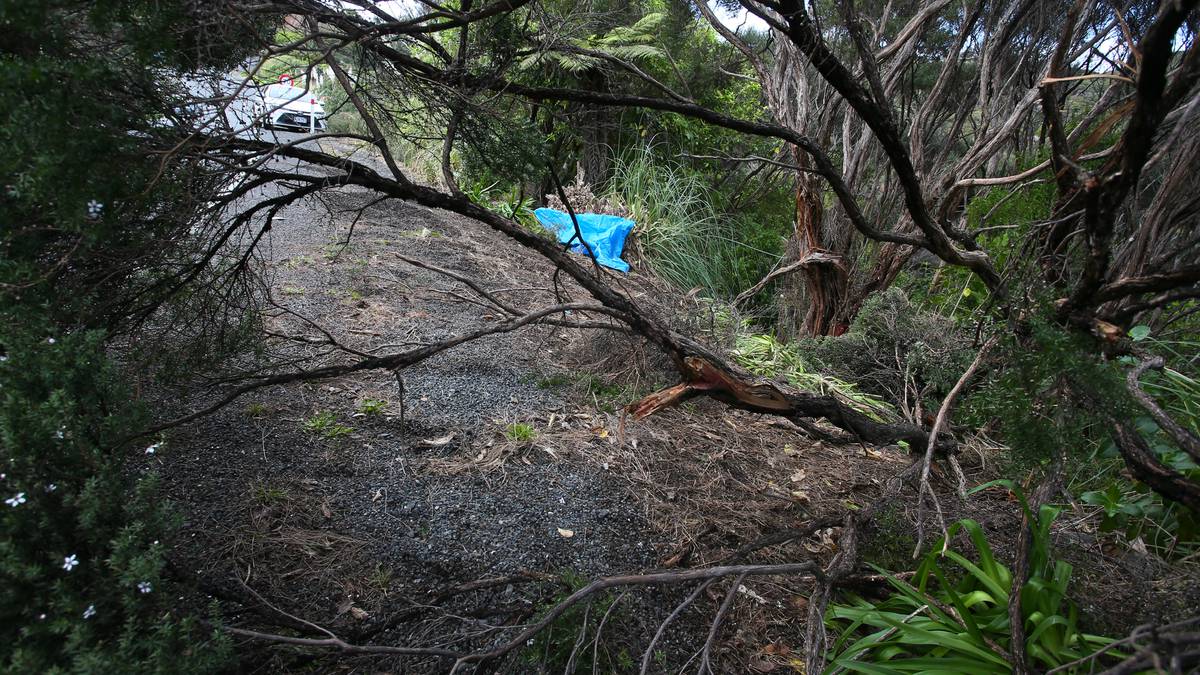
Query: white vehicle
[282, 106]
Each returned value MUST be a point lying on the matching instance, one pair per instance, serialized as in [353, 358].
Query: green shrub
[99, 229]
[939, 624]
[893, 344]
[81, 552]
[1129, 507]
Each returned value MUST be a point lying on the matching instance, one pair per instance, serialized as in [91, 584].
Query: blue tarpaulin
[604, 234]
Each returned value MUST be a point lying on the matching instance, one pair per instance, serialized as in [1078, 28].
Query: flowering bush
[80, 544]
[95, 226]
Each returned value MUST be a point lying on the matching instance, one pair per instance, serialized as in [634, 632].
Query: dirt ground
[369, 504]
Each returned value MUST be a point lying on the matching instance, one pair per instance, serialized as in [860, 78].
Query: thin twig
[715, 629]
[662, 627]
[938, 423]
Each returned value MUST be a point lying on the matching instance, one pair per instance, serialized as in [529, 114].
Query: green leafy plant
[515, 206]
[520, 432]
[1129, 507]
[325, 424]
[372, 406]
[381, 578]
[764, 355]
[631, 43]
[518, 208]
[953, 616]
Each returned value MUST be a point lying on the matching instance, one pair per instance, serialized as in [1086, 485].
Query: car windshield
[285, 92]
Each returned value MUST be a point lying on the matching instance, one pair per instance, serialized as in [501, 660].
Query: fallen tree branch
[839, 568]
[1144, 464]
[385, 362]
[652, 579]
[707, 575]
[339, 644]
[396, 618]
[703, 371]
[662, 627]
[715, 629]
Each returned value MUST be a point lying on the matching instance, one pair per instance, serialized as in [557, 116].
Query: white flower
[89, 612]
[59, 434]
[94, 209]
[52, 487]
[41, 617]
[50, 341]
[144, 587]
[151, 450]
[16, 501]
[3, 358]
[70, 562]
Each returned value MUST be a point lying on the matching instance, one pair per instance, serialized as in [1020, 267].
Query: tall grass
[680, 234]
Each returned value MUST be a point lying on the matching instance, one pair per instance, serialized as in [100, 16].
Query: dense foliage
[89, 98]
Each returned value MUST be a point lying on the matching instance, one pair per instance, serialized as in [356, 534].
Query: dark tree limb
[715, 629]
[1150, 283]
[1186, 440]
[662, 627]
[1145, 467]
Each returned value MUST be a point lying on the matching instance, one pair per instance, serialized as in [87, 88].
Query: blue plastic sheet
[604, 234]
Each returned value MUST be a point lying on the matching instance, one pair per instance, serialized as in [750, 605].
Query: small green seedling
[372, 406]
[381, 578]
[520, 432]
[325, 424]
[266, 495]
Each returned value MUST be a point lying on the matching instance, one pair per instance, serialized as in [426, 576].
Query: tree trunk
[820, 288]
[594, 155]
